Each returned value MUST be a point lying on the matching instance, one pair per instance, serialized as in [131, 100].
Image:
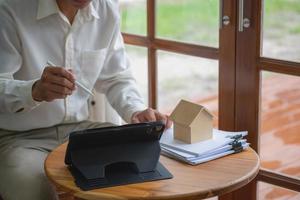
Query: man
[39, 104]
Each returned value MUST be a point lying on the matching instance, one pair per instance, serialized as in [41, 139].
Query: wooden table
[190, 182]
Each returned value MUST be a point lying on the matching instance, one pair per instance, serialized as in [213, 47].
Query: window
[229, 70]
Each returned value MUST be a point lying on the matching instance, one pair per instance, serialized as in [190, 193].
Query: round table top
[205, 180]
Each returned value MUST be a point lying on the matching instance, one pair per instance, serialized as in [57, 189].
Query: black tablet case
[119, 155]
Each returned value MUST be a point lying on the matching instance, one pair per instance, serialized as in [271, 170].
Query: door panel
[247, 80]
[227, 79]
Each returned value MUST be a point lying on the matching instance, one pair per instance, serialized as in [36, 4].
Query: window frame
[153, 44]
[237, 110]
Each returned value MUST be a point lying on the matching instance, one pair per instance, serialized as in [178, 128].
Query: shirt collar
[49, 7]
[90, 12]
[46, 8]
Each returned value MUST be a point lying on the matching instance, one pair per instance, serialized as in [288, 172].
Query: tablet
[114, 135]
[117, 155]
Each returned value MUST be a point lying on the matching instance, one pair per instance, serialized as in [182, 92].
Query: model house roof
[186, 112]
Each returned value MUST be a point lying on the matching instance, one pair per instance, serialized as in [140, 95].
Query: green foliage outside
[196, 21]
[275, 6]
[281, 18]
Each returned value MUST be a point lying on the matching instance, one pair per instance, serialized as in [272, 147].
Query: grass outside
[184, 20]
[196, 21]
[282, 15]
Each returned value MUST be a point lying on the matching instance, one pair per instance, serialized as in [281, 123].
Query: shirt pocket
[91, 65]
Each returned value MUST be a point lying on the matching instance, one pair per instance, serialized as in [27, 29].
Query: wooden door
[254, 61]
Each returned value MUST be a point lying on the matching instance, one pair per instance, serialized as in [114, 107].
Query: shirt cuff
[26, 94]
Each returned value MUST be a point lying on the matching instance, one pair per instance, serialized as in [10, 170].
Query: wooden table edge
[239, 183]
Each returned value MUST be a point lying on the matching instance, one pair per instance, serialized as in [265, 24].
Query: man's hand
[149, 115]
[55, 83]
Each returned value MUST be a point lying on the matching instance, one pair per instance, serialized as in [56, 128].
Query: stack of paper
[223, 143]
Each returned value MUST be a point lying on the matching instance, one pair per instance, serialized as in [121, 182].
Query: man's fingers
[142, 117]
[160, 117]
[56, 95]
[59, 89]
[50, 96]
[59, 80]
[135, 120]
[164, 118]
[55, 83]
[60, 71]
[150, 115]
[72, 72]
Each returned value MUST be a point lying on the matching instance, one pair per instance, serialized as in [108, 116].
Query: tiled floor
[279, 135]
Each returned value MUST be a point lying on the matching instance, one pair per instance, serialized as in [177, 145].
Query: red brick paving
[280, 131]
[280, 135]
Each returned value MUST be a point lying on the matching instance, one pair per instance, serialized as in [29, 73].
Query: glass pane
[191, 21]
[133, 13]
[139, 64]
[270, 192]
[280, 123]
[187, 77]
[281, 29]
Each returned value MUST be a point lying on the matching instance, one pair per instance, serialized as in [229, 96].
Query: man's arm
[117, 82]
[15, 95]
[24, 95]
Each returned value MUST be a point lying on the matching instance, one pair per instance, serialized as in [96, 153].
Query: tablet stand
[128, 161]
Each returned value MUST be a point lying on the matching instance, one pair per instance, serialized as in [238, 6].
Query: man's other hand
[55, 83]
[150, 115]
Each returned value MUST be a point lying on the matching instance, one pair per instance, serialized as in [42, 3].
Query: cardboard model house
[192, 122]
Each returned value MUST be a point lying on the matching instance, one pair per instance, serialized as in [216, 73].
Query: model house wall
[192, 122]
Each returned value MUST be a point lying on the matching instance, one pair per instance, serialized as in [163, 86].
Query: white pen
[76, 82]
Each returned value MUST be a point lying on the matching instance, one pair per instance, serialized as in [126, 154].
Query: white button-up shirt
[35, 31]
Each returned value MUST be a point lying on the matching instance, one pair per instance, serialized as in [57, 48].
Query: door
[266, 87]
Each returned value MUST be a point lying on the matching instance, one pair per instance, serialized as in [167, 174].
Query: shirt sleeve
[116, 80]
[15, 95]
